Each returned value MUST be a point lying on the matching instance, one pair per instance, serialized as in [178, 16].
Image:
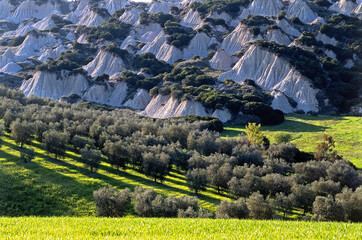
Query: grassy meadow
[163, 228]
[307, 131]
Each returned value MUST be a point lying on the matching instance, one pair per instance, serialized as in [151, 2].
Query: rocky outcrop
[147, 33]
[191, 19]
[51, 85]
[288, 28]
[118, 94]
[278, 36]
[222, 114]
[33, 43]
[5, 7]
[281, 102]
[221, 61]
[72, 17]
[160, 6]
[237, 39]
[163, 106]
[52, 53]
[198, 46]
[344, 6]
[300, 9]
[325, 39]
[44, 24]
[7, 57]
[98, 93]
[92, 19]
[11, 68]
[272, 72]
[139, 101]
[34, 9]
[131, 15]
[114, 5]
[105, 62]
[169, 53]
[263, 8]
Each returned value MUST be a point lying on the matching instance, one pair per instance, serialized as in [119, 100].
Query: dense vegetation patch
[71, 60]
[255, 21]
[160, 18]
[151, 64]
[111, 30]
[178, 35]
[231, 7]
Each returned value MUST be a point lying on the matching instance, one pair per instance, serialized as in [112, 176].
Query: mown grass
[151, 228]
[47, 187]
[307, 131]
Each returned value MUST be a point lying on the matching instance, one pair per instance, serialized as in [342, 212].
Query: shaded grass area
[307, 131]
[64, 187]
[151, 228]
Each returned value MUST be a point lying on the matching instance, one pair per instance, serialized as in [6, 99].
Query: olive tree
[110, 202]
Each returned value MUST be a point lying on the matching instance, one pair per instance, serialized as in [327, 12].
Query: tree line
[280, 176]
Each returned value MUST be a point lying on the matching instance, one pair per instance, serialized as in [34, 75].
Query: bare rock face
[281, 102]
[191, 19]
[11, 68]
[98, 93]
[139, 101]
[278, 36]
[163, 106]
[72, 17]
[44, 24]
[31, 9]
[272, 72]
[114, 5]
[7, 57]
[344, 6]
[92, 19]
[166, 106]
[5, 7]
[131, 15]
[237, 39]
[49, 85]
[34, 43]
[288, 28]
[221, 61]
[326, 40]
[198, 46]
[157, 6]
[300, 9]
[263, 8]
[358, 11]
[118, 94]
[105, 62]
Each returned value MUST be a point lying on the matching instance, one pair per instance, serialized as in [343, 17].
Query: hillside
[227, 58]
[65, 188]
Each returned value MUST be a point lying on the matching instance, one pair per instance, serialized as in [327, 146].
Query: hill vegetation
[56, 154]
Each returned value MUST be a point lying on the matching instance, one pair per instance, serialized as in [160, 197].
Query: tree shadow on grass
[66, 181]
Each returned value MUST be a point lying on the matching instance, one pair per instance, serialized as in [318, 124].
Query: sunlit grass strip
[152, 228]
[307, 131]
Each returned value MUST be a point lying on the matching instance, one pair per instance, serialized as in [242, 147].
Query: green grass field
[307, 131]
[151, 228]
